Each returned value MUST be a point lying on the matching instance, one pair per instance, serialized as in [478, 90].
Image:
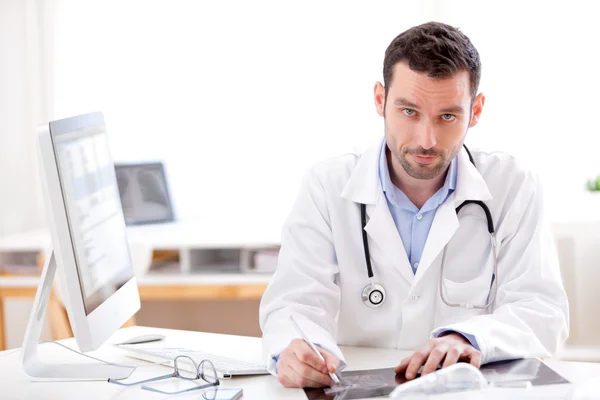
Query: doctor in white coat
[486, 303]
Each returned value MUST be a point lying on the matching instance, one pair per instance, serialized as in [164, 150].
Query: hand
[450, 348]
[299, 367]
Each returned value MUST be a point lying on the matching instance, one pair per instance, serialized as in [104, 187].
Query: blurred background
[236, 99]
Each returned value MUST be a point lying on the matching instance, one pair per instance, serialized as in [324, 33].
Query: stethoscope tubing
[493, 287]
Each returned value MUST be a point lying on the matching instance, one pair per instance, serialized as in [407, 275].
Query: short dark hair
[434, 48]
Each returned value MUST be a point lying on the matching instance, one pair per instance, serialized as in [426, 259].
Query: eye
[448, 117]
[409, 112]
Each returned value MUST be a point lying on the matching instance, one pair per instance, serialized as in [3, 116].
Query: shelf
[160, 279]
[204, 279]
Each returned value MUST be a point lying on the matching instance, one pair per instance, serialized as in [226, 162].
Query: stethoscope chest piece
[373, 295]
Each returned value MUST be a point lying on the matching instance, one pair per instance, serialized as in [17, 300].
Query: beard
[423, 171]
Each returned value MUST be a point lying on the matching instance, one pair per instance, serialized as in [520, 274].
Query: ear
[379, 93]
[476, 110]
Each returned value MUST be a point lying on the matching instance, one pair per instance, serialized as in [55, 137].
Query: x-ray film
[529, 369]
[381, 382]
[358, 385]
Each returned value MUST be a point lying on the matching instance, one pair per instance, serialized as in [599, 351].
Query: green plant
[593, 185]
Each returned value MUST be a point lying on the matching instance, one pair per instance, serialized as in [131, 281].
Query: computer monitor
[89, 245]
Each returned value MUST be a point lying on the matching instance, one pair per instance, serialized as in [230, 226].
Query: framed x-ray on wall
[144, 193]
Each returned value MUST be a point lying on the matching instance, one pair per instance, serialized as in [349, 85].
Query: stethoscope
[373, 295]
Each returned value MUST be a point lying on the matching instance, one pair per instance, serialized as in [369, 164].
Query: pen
[312, 346]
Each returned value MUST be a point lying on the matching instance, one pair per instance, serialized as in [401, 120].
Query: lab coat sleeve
[304, 283]
[530, 317]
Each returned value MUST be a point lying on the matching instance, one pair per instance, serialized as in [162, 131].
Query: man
[494, 297]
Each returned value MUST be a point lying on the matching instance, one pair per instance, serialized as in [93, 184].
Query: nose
[426, 135]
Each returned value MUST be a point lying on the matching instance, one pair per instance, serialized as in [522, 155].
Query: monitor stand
[34, 366]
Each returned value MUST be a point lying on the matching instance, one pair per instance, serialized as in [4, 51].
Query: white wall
[239, 98]
[541, 79]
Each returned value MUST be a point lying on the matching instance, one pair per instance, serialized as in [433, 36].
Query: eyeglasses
[184, 368]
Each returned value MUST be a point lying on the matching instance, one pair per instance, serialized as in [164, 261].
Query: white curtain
[26, 45]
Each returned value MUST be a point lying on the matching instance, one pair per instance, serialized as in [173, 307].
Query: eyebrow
[453, 110]
[401, 101]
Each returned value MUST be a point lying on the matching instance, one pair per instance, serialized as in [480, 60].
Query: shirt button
[416, 265]
[419, 217]
[414, 297]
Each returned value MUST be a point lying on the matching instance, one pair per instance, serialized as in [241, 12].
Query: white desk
[14, 384]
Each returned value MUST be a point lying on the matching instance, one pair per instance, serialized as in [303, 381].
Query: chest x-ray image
[359, 384]
[144, 193]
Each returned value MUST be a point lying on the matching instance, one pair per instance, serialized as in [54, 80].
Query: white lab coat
[322, 271]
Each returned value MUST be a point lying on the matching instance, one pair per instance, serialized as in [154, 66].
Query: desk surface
[16, 385]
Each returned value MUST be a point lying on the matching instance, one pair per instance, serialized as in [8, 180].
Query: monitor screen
[93, 209]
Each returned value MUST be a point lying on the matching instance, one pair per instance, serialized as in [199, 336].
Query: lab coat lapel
[364, 187]
[470, 185]
[445, 224]
[383, 235]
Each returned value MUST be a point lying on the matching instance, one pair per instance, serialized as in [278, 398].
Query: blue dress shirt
[413, 224]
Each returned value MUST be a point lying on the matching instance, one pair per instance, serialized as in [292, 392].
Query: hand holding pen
[332, 374]
[302, 365]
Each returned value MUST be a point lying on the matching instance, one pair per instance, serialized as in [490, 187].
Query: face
[426, 119]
